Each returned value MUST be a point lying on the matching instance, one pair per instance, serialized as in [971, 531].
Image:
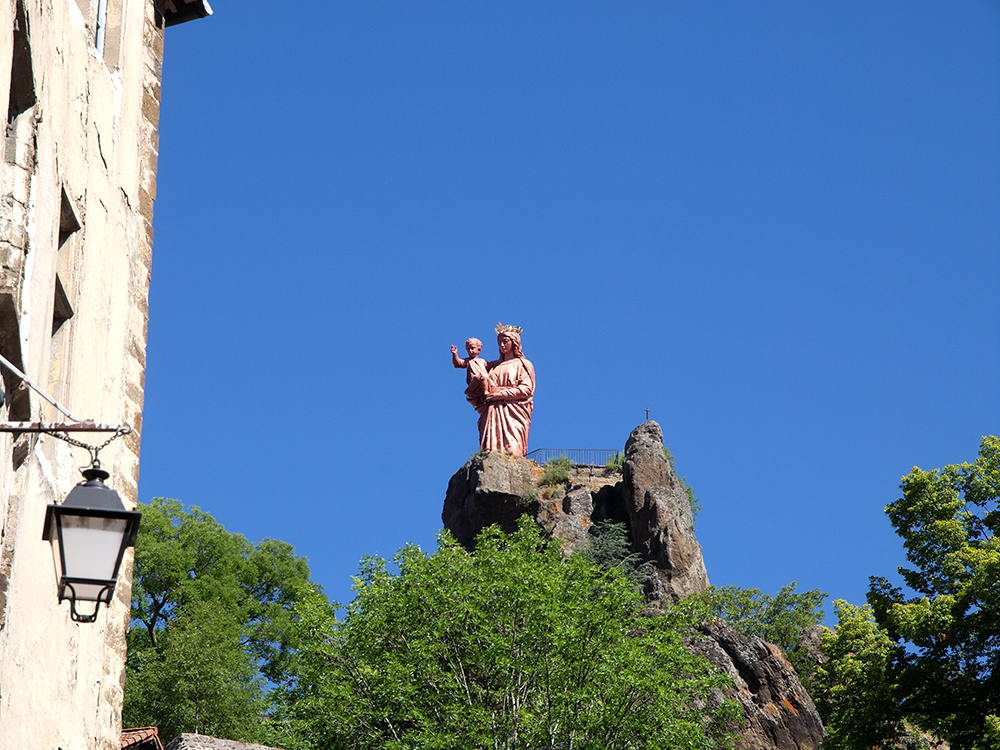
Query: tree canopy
[947, 673]
[212, 624]
[855, 690]
[927, 657]
[511, 647]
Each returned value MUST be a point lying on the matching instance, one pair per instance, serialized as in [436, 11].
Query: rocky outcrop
[811, 644]
[203, 742]
[778, 712]
[660, 516]
[497, 488]
[492, 488]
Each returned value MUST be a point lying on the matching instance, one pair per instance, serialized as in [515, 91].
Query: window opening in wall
[102, 22]
[22, 80]
[20, 104]
[68, 221]
[62, 310]
[18, 403]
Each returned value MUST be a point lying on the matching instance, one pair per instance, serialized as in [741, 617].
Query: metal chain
[93, 450]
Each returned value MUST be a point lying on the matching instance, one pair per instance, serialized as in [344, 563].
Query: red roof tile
[143, 738]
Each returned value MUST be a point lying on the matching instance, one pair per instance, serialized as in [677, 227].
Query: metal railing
[583, 456]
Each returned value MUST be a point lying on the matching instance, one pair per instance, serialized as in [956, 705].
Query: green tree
[854, 691]
[212, 625]
[510, 647]
[947, 673]
[779, 619]
[199, 679]
[609, 545]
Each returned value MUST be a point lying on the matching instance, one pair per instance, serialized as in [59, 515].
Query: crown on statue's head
[501, 328]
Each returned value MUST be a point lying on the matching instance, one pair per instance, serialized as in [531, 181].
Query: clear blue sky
[776, 225]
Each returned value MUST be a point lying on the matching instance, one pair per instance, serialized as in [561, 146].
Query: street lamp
[89, 533]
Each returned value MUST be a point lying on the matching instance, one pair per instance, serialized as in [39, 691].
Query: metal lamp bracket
[69, 593]
[61, 429]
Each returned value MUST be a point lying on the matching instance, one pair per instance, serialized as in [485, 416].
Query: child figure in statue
[475, 376]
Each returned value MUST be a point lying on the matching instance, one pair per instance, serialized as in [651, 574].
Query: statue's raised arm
[475, 376]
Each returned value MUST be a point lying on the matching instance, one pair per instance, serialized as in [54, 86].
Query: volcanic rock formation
[498, 488]
[777, 711]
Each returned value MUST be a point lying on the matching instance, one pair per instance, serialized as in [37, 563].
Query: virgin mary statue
[509, 394]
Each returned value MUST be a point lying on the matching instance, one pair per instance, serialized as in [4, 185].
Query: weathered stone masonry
[80, 84]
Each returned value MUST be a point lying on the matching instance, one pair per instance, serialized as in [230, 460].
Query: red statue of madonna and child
[502, 391]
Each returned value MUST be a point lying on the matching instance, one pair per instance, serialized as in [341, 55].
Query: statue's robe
[504, 422]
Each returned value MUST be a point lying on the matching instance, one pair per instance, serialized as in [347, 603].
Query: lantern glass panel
[90, 547]
[86, 592]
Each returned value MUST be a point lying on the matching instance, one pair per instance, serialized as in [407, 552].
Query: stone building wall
[76, 206]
